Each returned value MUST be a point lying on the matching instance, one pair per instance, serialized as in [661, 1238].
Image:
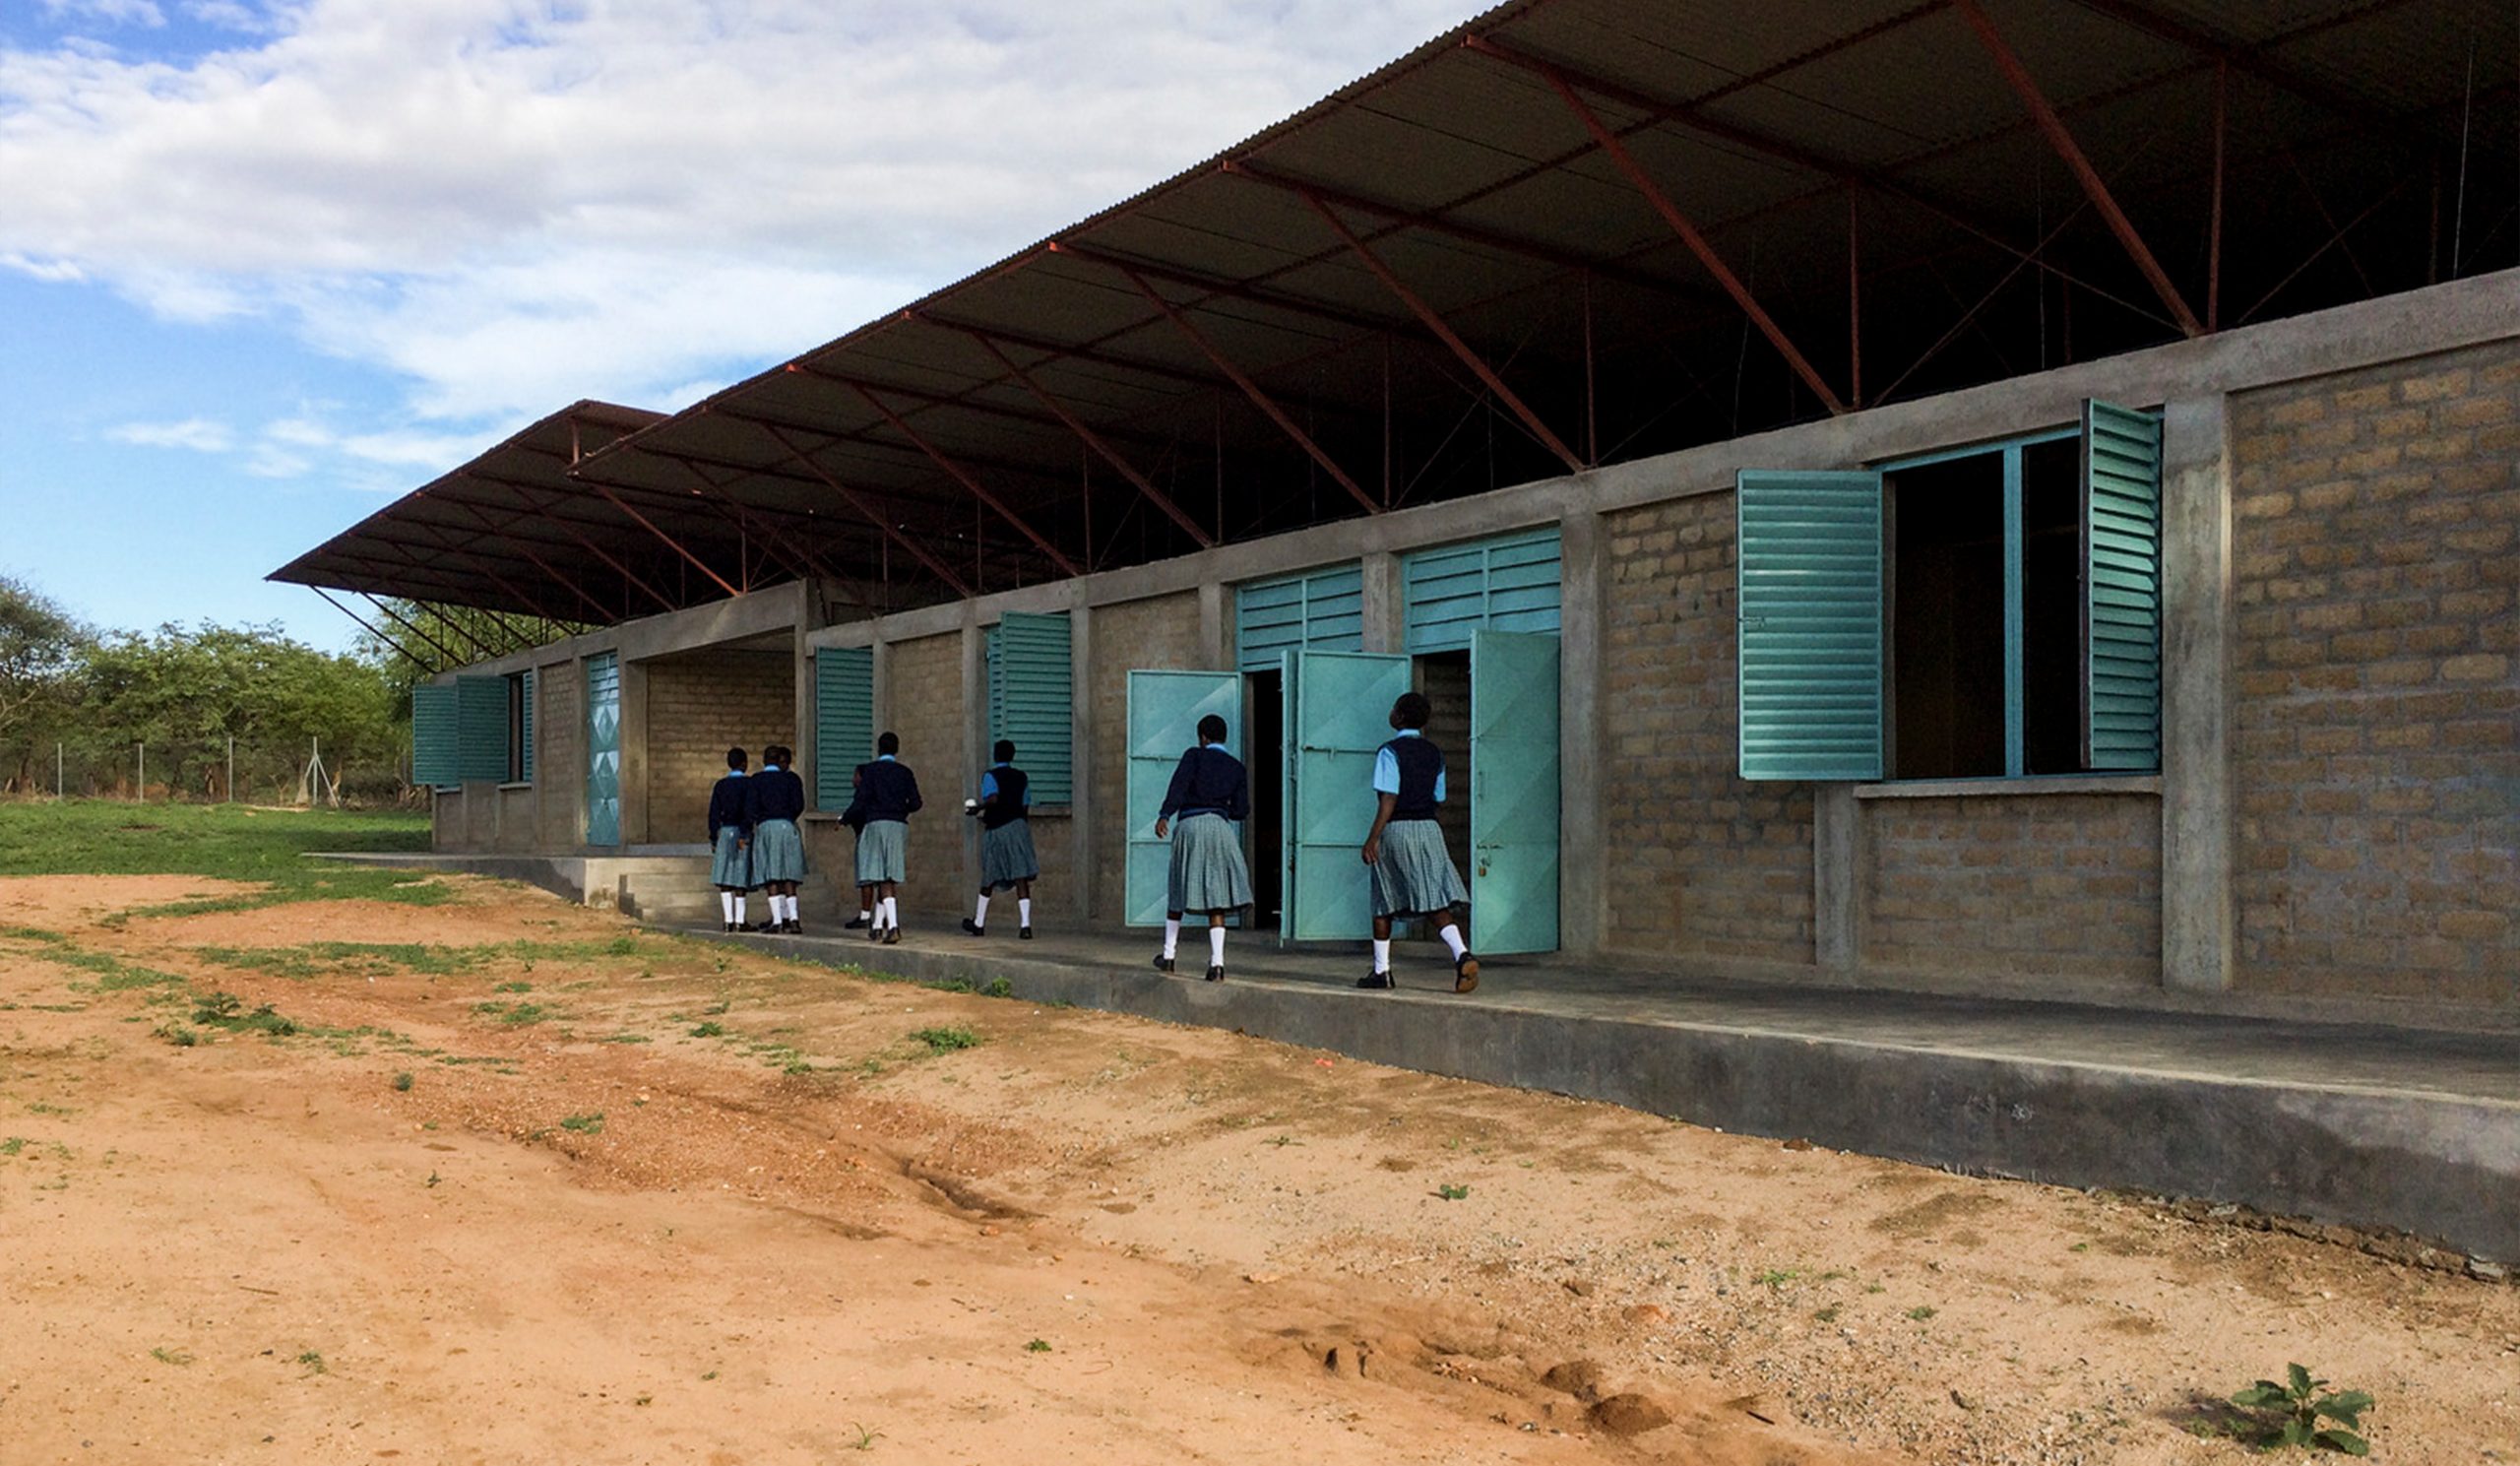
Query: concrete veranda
[2366, 1124]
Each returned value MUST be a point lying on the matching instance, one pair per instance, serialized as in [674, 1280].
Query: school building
[2005, 496]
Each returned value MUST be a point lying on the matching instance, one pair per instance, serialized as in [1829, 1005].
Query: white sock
[893, 911]
[1452, 939]
[736, 899]
[980, 915]
[1216, 946]
[786, 908]
[1382, 954]
[726, 903]
[1171, 937]
[1023, 912]
[865, 913]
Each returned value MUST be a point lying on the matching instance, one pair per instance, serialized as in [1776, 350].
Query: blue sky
[265, 264]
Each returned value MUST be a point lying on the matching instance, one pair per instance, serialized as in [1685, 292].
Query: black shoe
[1024, 933]
[874, 934]
[1216, 974]
[731, 926]
[1377, 979]
[892, 937]
[1466, 972]
[857, 924]
[1166, 964]
[973, 929]
[795, 927]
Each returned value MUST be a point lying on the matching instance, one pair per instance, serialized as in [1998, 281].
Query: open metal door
[1513, 795]
[1164, 709]
[1338, 715]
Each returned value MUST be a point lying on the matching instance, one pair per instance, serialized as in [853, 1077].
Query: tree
[185, 693]
[39, 649]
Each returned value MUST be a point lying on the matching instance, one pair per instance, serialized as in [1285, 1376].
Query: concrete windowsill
[519, 783]
[2049, 784]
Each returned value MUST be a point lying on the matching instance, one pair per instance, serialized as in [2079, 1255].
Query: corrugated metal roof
[1468, 176]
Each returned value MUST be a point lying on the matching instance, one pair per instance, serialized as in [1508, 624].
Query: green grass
[945, 1040]
[109, 837]
[583, 1124]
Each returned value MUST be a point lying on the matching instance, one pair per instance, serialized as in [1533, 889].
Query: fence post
[56, 771]
[231, 767]
[141, 792]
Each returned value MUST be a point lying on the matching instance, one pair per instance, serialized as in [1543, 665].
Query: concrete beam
[2438, 318]
[2199, 905]
[976, 744]
[634, 753]
[1084, 872]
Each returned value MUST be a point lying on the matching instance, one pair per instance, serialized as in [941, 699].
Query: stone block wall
[559, 754]
[2028, 887]
[923, 702]
[698, 706]
[2376, 550]
[1160, 632]
[1700, 863]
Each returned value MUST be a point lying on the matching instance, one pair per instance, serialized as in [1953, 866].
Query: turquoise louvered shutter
[2121, 589]
[1322, 611]
[1809, 547]
[1506, 584]
[844, 721]
[481, 729]
[433, 724]
[524, 725]
[1032, 699]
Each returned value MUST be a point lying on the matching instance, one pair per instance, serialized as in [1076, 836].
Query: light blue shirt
[885, 758]
[988, 784]
[1387, 770]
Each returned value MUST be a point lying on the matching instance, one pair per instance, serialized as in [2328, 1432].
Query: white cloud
[515, 203]
[199, 434]
[112, 12]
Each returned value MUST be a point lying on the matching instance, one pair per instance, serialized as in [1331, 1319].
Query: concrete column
[1837, 878]
[808, 619]
[975, 742]
[634, 753]
[2200, 906]
[1385, 612]
[882, 695]
[1583, 905]
[1215, 627]
[1084, 872]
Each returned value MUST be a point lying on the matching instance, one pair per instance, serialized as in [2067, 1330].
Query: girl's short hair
[1005, 750]
[1212, 728]
[1412, 711]
[888, 742]
[737, 758]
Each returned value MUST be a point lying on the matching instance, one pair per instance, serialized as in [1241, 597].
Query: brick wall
[1700, 863]
[1446, 682]
[559, 754]
[924, 702]
[2025, 886]
[2376, 704]
[1162, 632]
[698, 705]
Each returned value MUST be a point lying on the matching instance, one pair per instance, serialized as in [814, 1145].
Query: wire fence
[210, 771]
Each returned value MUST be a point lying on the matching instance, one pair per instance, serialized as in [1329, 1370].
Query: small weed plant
[226, 1010]
[1452, 1192]
[2302, 1411]
[1037, 1346]
[946, 1040]
[402, 1082]
[583, 1124]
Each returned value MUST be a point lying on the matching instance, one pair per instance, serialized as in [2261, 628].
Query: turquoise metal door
[1164, 709]
[1338, 714]
[1513, 795]
[603, 749]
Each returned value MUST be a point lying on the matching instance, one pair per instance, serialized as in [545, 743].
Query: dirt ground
[643, 1199]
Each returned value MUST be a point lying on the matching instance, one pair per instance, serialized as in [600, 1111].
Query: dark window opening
[2051, 608]
[1264, 757]
[516, 729]
[1947, 619]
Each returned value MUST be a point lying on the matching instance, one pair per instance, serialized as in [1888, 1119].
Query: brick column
[1583, 902]
[2198, 910]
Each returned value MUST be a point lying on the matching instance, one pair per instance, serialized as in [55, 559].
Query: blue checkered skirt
[1416, 875]
[730, 866]
[1208, 870]
[1006, 855]
[778, 852]
[883, 852]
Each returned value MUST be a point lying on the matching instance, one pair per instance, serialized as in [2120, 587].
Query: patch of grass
[1921, 1311]
[12, 1145]
[585, 1124]
[514, 988]
[165, 1356]
[1037, 1346]
[402, 1082]
[311, 1362]
[112, 974]
[1774, 1279]
[30, 933]
[87, 837]
[176, 1033]
[625, 1039]
[1828, 1314]
[708, 1031]
[998, 988]
[512, 1014]
[225, 1010]
[865, 1437]
[946, 1040]
[1451, 1192]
